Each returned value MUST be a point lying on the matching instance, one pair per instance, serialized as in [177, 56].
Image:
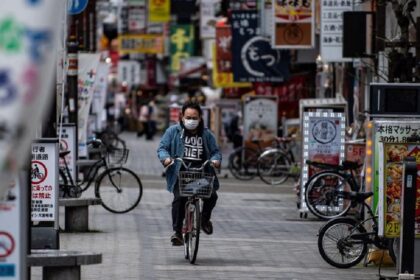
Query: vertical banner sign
[323, 141]
[88, 65]
[392, 182]
[28, 36]
[332, 29]
[294, 24]
[260, 119]
[44, 177]
[159, 10]
[181, 44]
[68, 143]
[129, 72]
[266, 18]
[254, 60]
[136, 18]
[208, 18]
[99, 94]
[11, 233]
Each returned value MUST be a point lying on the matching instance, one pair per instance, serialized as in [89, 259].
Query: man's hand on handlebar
[215, 163]
[167, 162]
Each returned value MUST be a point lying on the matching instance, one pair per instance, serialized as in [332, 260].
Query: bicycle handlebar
[191, 168]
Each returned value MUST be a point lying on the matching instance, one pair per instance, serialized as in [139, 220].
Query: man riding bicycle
[195, 144]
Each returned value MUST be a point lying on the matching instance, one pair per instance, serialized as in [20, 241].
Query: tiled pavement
[258, 235]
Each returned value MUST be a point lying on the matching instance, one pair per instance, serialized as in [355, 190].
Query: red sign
[7, 244]
[223, 48]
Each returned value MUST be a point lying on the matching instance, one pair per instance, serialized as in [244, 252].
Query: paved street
[257, 235]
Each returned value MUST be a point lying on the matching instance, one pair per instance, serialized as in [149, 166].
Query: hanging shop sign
[75, 7]
[391, 184]
[323, 141]
[29, 35]
[224, 79]
[68, 143]
[254, 60]
[159, 10]
[260, 119]
[44, 181]
[181, 44]
[136, 18]
[294, 24]
[266, 22]
[88, 66]
[208, 18]
[332, 29]
[141, 43]
[12, 233]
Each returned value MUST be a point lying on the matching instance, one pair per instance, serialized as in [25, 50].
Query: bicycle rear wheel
[194, 235]
[120, 190]
[322, 195]
[336, 245]
[274, 167]
[243, 163]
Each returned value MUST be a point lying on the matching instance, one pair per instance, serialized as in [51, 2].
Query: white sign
[10, 233]
[99, 94]
[129, 72]
[136, 18]
[68, 143]
[332, 29]
[266, 18]
[88, 67]
[44, 177]
[323, 141]
[28, 41]
[208, 18]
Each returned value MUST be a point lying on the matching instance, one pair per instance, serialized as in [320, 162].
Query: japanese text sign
[294, 24]
[141, 43]
[332, 29]
[159, 10]
[254, 60]
[181, 44]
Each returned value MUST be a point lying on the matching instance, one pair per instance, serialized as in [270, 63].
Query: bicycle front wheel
[337, 245]
[194, 235]
[120, 190]
[323, 195]
[274, 167]
[243, 163]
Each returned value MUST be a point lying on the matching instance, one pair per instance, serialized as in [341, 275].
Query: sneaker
[207, 227]
[176, 239]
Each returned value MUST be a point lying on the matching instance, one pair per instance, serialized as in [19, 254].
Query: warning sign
[7, 244]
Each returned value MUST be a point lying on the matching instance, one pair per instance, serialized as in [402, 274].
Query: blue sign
[253, 58]
[7, 270]
[76, 6]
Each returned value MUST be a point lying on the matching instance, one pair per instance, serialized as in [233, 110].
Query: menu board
[390, 216]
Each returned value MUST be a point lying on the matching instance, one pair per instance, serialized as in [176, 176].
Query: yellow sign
[141, 43]
[224, 79]
[159, 10]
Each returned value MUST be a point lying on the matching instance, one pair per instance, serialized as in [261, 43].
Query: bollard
[408, 207]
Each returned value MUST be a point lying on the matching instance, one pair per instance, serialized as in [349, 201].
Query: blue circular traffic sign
[76, 6]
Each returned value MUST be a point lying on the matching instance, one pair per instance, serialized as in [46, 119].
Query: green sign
[181, 44]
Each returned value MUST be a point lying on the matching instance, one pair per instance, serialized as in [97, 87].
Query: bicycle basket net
[195, 183]
[117, 156]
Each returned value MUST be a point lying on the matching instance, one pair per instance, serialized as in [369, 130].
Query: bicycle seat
[65, 153]
[360, 196]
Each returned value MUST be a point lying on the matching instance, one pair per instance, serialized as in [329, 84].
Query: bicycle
[195, 184]
[343, 242]
[324, 191]
[119, 188]
[243, 161]
[276, 165]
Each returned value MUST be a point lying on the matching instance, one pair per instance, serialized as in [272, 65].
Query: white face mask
[190, 124]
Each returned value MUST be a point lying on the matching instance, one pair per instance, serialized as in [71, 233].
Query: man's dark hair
[192, 105]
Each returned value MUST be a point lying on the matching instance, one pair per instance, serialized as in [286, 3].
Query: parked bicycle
[110, 139]
[119, 188]
[195, 184]
[276, 165]
[324, 191]
[343, 242]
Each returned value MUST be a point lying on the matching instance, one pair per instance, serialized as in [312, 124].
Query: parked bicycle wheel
[120, 190]
[273, 167]
[193, 237]
[322, 195]
[337, 245]
[243, 163]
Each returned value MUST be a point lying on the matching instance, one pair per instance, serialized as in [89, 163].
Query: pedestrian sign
[75, 7]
